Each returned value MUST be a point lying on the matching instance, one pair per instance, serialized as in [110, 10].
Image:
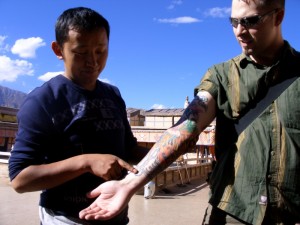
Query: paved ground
[183, 205]
[174, 206]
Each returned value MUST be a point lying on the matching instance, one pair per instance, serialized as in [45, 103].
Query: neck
[270, 55]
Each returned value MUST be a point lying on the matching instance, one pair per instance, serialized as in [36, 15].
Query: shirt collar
[244, 60]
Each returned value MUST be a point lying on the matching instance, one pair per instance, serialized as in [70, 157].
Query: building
[158, 120]
[136, 117]
[8, 128]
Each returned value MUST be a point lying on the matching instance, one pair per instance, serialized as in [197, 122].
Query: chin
[247, 51]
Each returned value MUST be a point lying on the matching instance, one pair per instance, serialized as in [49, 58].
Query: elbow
[18, 187]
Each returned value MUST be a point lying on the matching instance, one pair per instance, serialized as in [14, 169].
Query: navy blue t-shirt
[59, 120]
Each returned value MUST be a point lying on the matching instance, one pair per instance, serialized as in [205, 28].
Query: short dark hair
[276, 3]
[79, 19]
[268, 3]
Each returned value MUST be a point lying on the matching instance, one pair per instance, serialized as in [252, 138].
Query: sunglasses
[249, 21]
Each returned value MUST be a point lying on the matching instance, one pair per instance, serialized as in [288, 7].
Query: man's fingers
[99, 215]
[95, 213]
[127, 166]
[105, 215]
[94, 193]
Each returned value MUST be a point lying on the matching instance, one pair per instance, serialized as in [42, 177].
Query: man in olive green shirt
[256, 179]
[259, 167]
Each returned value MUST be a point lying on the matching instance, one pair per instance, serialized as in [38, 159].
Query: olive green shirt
[261, 166]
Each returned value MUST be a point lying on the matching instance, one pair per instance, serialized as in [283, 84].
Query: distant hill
[11, 98]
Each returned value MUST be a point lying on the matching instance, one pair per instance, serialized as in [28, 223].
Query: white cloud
[218, 12]
[174, 3]
[26, 48]
[105, 80]
[47, 76]
[158, 106]
[11, 69]
[179, 20]
[2, 38]
[3, 47]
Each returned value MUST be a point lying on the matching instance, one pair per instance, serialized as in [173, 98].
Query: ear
[57, 50]
[279, 17]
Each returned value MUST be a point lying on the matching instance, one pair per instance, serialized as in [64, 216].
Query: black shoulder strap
[273, 93]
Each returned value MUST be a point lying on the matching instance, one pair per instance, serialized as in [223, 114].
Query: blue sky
[159, 49]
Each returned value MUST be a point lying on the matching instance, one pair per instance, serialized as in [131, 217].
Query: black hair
[268, 3]
[79, 19]
[276, 3]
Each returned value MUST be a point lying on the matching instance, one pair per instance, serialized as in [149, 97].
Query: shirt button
[269, 176]
[263, 200]
[273, 130]
[271, 110]
[272, 153]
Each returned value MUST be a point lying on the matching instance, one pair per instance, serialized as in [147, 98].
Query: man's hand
[108, 167]
[113, 197]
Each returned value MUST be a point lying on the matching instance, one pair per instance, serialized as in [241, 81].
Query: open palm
[112, 198]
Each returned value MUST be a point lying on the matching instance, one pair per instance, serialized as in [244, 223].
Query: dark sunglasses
[249, 21]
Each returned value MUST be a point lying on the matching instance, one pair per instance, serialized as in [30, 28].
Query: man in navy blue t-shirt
[73, 130]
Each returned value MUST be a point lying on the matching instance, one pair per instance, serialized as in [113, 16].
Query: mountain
[11, 98]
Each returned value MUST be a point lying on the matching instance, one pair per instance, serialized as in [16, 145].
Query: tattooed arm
[113, 196]
[178, 139]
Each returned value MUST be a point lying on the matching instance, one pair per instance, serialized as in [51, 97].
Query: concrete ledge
[181, 174]
[4, 156]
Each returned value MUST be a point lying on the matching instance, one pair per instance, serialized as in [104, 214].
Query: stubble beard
[247, 51]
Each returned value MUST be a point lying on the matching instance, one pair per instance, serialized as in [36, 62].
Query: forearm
[45, 176]
[173, 143]
[178, 139]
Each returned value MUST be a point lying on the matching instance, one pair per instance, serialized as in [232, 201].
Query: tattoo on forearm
[175, 141]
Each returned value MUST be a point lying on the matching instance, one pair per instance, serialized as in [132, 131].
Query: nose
[91, 60]
[240, 29]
